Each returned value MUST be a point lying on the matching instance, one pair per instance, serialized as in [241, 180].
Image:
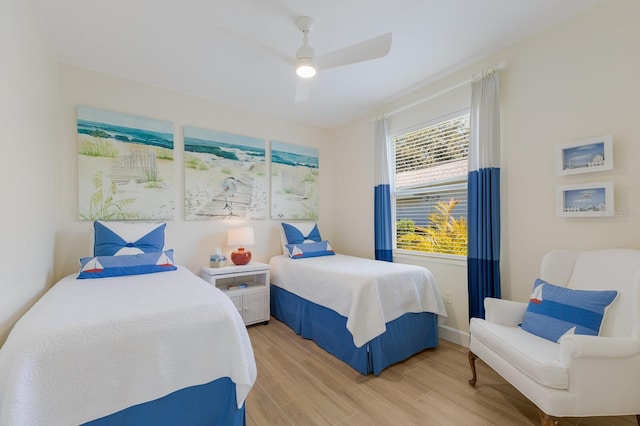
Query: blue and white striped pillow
[302, 250]
[554, 311]
[127, 264]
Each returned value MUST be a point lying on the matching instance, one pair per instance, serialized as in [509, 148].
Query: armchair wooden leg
[638, 419]
[472, 364]
[547, 420]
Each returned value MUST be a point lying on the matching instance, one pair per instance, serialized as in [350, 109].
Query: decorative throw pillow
[118, 238]
[299, 251]
[298, 233]
[554, 311]
[127, 264]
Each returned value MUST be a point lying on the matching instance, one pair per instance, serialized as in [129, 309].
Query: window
[430, 186]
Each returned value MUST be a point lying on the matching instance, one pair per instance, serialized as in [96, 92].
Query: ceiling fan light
[305, 68]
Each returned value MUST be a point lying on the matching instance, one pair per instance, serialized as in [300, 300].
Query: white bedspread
[368, 293]
[90, 348]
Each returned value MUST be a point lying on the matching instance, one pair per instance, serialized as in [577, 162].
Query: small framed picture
[585, 200]
[585, 156]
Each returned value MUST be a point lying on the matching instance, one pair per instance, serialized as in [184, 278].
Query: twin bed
[135, 342]
[370, 314]
[134, 339]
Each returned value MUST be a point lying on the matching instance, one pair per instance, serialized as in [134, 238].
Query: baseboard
[454, 335]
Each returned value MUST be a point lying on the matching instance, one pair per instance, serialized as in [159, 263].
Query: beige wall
[27, 172]
[574, 81]
[352, 171]
[193, 241]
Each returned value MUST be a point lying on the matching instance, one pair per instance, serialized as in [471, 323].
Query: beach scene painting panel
[295, 181]
[125, 166]
[585, 156]
[224, 175]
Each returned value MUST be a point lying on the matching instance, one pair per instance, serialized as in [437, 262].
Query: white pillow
[283, 241]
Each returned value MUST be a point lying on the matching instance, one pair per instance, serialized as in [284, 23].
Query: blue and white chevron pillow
[119, 238]
[554, 311]
[299, 233]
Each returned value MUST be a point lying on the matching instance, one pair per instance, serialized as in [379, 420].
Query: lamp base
[240, 256]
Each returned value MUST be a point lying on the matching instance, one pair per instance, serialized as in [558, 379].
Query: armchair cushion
[533, 356]
[554, 311]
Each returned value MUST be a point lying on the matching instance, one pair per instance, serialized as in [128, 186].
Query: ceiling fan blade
[303, 89]
[373, 48]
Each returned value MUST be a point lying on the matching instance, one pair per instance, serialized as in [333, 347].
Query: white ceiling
[236, 52]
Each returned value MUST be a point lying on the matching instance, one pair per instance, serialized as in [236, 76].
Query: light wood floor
[300, 384]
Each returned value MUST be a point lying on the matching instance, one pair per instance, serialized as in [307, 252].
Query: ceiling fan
[307, 64]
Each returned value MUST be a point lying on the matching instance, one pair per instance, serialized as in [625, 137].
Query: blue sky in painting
[227, 138]
[294, 149]
[294, 155]
[87, 113]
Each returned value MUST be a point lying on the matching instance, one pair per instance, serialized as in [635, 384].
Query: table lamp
[240, 237]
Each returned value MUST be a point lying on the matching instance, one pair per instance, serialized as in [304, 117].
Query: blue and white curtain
[483, 263]
[383, 233]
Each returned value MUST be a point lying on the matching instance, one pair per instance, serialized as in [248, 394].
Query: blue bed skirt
[213, 403]
[405, 336]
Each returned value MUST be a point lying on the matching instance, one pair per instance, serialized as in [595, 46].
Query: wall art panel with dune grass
[295, 181]
[125, 166]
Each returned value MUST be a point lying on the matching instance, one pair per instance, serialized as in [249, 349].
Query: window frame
[453, 183]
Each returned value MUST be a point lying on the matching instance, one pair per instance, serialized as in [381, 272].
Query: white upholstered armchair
[579, 375]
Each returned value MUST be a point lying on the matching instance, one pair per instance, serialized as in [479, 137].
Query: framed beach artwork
[224, 175]
[585, 156]
[125, 166]
[585, 200]
[295, 181]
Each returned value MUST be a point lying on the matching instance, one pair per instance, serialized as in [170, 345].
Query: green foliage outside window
[444, 234]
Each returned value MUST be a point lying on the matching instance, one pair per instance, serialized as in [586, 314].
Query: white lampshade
[240, 237]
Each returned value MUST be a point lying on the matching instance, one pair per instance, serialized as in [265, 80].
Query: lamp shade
[242, 236]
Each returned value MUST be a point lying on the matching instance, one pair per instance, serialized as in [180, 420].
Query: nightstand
[246, 285]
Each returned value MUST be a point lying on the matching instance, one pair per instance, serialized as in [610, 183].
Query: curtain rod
[500, 66]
